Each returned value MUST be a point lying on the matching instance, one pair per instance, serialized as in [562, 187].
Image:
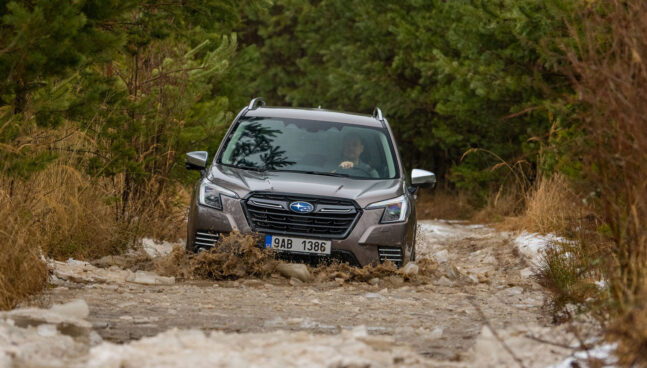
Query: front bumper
[369, 241]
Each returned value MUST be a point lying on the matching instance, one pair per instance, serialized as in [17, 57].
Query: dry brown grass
[551, 206]
[62, 212]
[569, 270]
[609, 72]
[52, 214]
[72, 214]
[21, 270]
[444, 204]
[73, 218]
[500, 207]
[631, 331]
[78, 214]
[607, 63]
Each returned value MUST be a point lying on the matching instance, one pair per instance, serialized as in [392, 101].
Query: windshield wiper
[316, 173]
[252, 168]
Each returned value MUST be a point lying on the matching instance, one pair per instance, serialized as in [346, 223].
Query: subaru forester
[312, 183]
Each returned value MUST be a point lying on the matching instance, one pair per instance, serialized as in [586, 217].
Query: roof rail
[255, 103]
[377, 113]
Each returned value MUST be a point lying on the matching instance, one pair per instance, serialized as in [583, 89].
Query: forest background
[531, 112]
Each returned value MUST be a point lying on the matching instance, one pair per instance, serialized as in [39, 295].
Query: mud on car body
[311, 182]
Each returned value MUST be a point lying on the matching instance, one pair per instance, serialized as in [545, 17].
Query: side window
[389, 169]
[235, 137]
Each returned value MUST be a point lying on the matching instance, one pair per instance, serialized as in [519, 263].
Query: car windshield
[309, 146]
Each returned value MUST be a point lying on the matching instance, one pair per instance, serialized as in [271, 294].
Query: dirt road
[482, 308]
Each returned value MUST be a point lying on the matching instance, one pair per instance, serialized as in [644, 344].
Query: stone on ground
[294, 270]
[75, 309]
[411, 269]
[83, 272]
[150, 278]
[156, 248]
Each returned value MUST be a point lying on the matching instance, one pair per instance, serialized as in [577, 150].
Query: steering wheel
[354, 171]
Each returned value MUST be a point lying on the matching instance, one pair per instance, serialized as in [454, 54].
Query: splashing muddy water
[237, 256]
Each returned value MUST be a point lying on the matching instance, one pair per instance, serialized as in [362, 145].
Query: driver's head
[353, 146]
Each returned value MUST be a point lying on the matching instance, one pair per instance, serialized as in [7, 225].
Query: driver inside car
[352, 149]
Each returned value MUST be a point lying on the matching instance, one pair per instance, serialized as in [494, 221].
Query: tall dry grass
[63, 212]
[608, 69]
[552, 206]
[570, 269]
[609, 72]
[21, 270]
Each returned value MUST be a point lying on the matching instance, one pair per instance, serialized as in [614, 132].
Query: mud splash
[423, 272]
[237, 256]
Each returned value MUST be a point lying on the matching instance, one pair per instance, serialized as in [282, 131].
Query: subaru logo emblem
[301, 207]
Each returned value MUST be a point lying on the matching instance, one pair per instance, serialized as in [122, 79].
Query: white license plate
[297, 245]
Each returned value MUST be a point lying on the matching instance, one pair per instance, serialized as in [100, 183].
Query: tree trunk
[20, 99]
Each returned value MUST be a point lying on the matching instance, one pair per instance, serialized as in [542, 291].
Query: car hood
[364, 192]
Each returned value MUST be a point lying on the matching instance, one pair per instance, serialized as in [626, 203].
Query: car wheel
[412, 257]
[189, 242]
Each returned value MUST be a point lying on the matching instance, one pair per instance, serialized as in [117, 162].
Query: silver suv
[313, 183]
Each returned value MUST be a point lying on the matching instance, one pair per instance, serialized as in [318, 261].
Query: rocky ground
[481, 308]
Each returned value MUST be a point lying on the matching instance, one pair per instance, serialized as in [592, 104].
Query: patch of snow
[526, 272]
[493, 350]
[602, 353]
[194, 348]
[532, 245]
[155, 248]
[476, 226]
[75, 309]
[440, 233]
[149, 278]
[34, 337]
[373, 296]
[83, 272]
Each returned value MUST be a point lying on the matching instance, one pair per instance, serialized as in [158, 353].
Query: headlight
[395, 210]
[210, 194]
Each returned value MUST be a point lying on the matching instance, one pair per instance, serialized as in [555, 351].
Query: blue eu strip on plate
[268, 241]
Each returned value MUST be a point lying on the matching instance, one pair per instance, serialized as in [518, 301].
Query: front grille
[203, 239]
[390, 254]
[331, 218]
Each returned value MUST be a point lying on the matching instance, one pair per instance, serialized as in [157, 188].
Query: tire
[412, 257]
[189, 242]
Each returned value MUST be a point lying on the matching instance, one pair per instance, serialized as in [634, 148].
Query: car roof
[314, 114]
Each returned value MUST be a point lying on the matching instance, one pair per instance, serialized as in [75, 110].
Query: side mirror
[422, 178]
[196, 160]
